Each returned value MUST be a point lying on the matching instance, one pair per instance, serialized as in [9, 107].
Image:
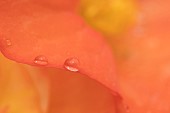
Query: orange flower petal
[32, 30]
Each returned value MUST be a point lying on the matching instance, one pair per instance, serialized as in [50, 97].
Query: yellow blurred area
[110, 17]
[17, 91]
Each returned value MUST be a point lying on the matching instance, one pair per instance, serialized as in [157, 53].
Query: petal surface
[29, 30]
[145, 60]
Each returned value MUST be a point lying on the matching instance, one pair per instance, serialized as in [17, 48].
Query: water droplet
[71, 64]
[117, 95]
[8, 42]
[41, 60]
[126, 108]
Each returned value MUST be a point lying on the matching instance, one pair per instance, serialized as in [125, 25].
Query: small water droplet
[71, 64]
[8, 42]
[117, 95]
[127, 108]
[41, 60]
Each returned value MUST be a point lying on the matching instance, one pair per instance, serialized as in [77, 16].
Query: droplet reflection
[8, 42]
[72, 64]
[41, 60]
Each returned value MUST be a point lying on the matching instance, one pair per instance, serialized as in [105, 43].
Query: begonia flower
[84, 56]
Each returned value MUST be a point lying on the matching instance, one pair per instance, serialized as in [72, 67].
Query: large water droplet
[41, 60]
[72, 64]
